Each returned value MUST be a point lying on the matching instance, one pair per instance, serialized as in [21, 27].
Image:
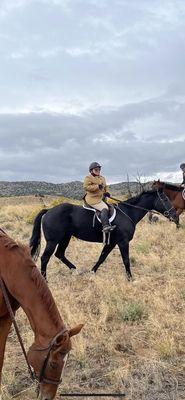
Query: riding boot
[105, 221]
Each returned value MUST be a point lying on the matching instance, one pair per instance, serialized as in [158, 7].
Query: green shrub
[143, 248]
[132, 312]
[30, 219]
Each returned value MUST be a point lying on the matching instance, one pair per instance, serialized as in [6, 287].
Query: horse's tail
[36, 235]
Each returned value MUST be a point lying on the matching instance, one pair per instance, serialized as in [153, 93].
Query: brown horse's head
[157, 184]
[48, 362]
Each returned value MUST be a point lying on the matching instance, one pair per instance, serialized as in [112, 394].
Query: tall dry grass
[133, 340]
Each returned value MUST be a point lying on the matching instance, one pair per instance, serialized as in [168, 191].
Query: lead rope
[7, 301]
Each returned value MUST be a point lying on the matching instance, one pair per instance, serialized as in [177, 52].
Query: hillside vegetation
[70, 189]
[133, 340]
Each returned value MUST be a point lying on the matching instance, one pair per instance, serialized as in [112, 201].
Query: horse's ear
[74, 331]
[59, 340]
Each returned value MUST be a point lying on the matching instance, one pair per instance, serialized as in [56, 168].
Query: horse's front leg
[105, 252]
[124, 249]
[5, 324]
[178, 212]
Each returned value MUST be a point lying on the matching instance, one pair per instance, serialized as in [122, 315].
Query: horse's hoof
[76, 272]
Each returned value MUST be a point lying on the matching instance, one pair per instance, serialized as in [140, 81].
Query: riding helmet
[182, 165]
[94, 165]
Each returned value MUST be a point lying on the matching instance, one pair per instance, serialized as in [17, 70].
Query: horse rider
[96, 192]
[182, 167]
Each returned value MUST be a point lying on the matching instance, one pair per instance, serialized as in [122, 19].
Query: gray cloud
[98, 80]
[60, 147]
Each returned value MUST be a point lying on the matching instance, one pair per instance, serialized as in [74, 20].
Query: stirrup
[106, 228]
[112, 227]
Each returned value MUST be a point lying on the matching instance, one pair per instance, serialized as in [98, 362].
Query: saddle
[112, 212]
[112, 215]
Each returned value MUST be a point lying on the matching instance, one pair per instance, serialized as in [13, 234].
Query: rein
[34, 377]
[9, 307]
[131, 205]
[141, 208]
[126, 215]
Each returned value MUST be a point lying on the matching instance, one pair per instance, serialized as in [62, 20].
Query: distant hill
[71, 189]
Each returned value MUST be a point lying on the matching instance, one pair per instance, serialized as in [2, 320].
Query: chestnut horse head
[174, 193]
[27, 288]
[48, 362]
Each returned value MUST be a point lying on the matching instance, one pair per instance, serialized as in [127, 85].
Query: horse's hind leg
[49, 250]
[60, 252]
[105, 252]
[5, 324]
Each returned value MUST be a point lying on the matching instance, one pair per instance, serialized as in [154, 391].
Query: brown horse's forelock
[45, 295]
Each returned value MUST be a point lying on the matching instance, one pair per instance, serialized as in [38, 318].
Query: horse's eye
[63, 353]
[53, 365]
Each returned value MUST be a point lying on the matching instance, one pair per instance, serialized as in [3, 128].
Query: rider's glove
[106, 194]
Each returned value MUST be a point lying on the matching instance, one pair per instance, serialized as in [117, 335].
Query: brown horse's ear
[74, 331]
[59, 341]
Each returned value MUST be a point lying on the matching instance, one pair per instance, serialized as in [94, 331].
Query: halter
[41, 378]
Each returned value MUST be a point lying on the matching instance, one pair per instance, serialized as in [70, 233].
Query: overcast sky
[92, 80]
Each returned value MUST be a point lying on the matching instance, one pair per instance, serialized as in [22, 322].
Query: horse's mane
[45, 294]
[8, 242]
[36, 277]
[135, 199]
[173, 187]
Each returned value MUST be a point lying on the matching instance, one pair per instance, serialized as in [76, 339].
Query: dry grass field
[133, 340]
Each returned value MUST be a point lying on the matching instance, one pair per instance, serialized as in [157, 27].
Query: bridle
[160, 197]
[40, 378]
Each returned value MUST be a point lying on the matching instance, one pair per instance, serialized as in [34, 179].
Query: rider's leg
[104, 215]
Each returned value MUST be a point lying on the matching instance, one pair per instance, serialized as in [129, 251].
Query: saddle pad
[183, 194]
[93, 209]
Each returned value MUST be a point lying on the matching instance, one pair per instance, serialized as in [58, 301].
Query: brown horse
[28, 289]
[174, 193]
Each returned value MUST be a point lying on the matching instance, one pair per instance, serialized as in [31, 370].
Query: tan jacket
[91, 186]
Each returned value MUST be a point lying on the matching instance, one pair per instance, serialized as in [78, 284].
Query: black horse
[65, 220]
